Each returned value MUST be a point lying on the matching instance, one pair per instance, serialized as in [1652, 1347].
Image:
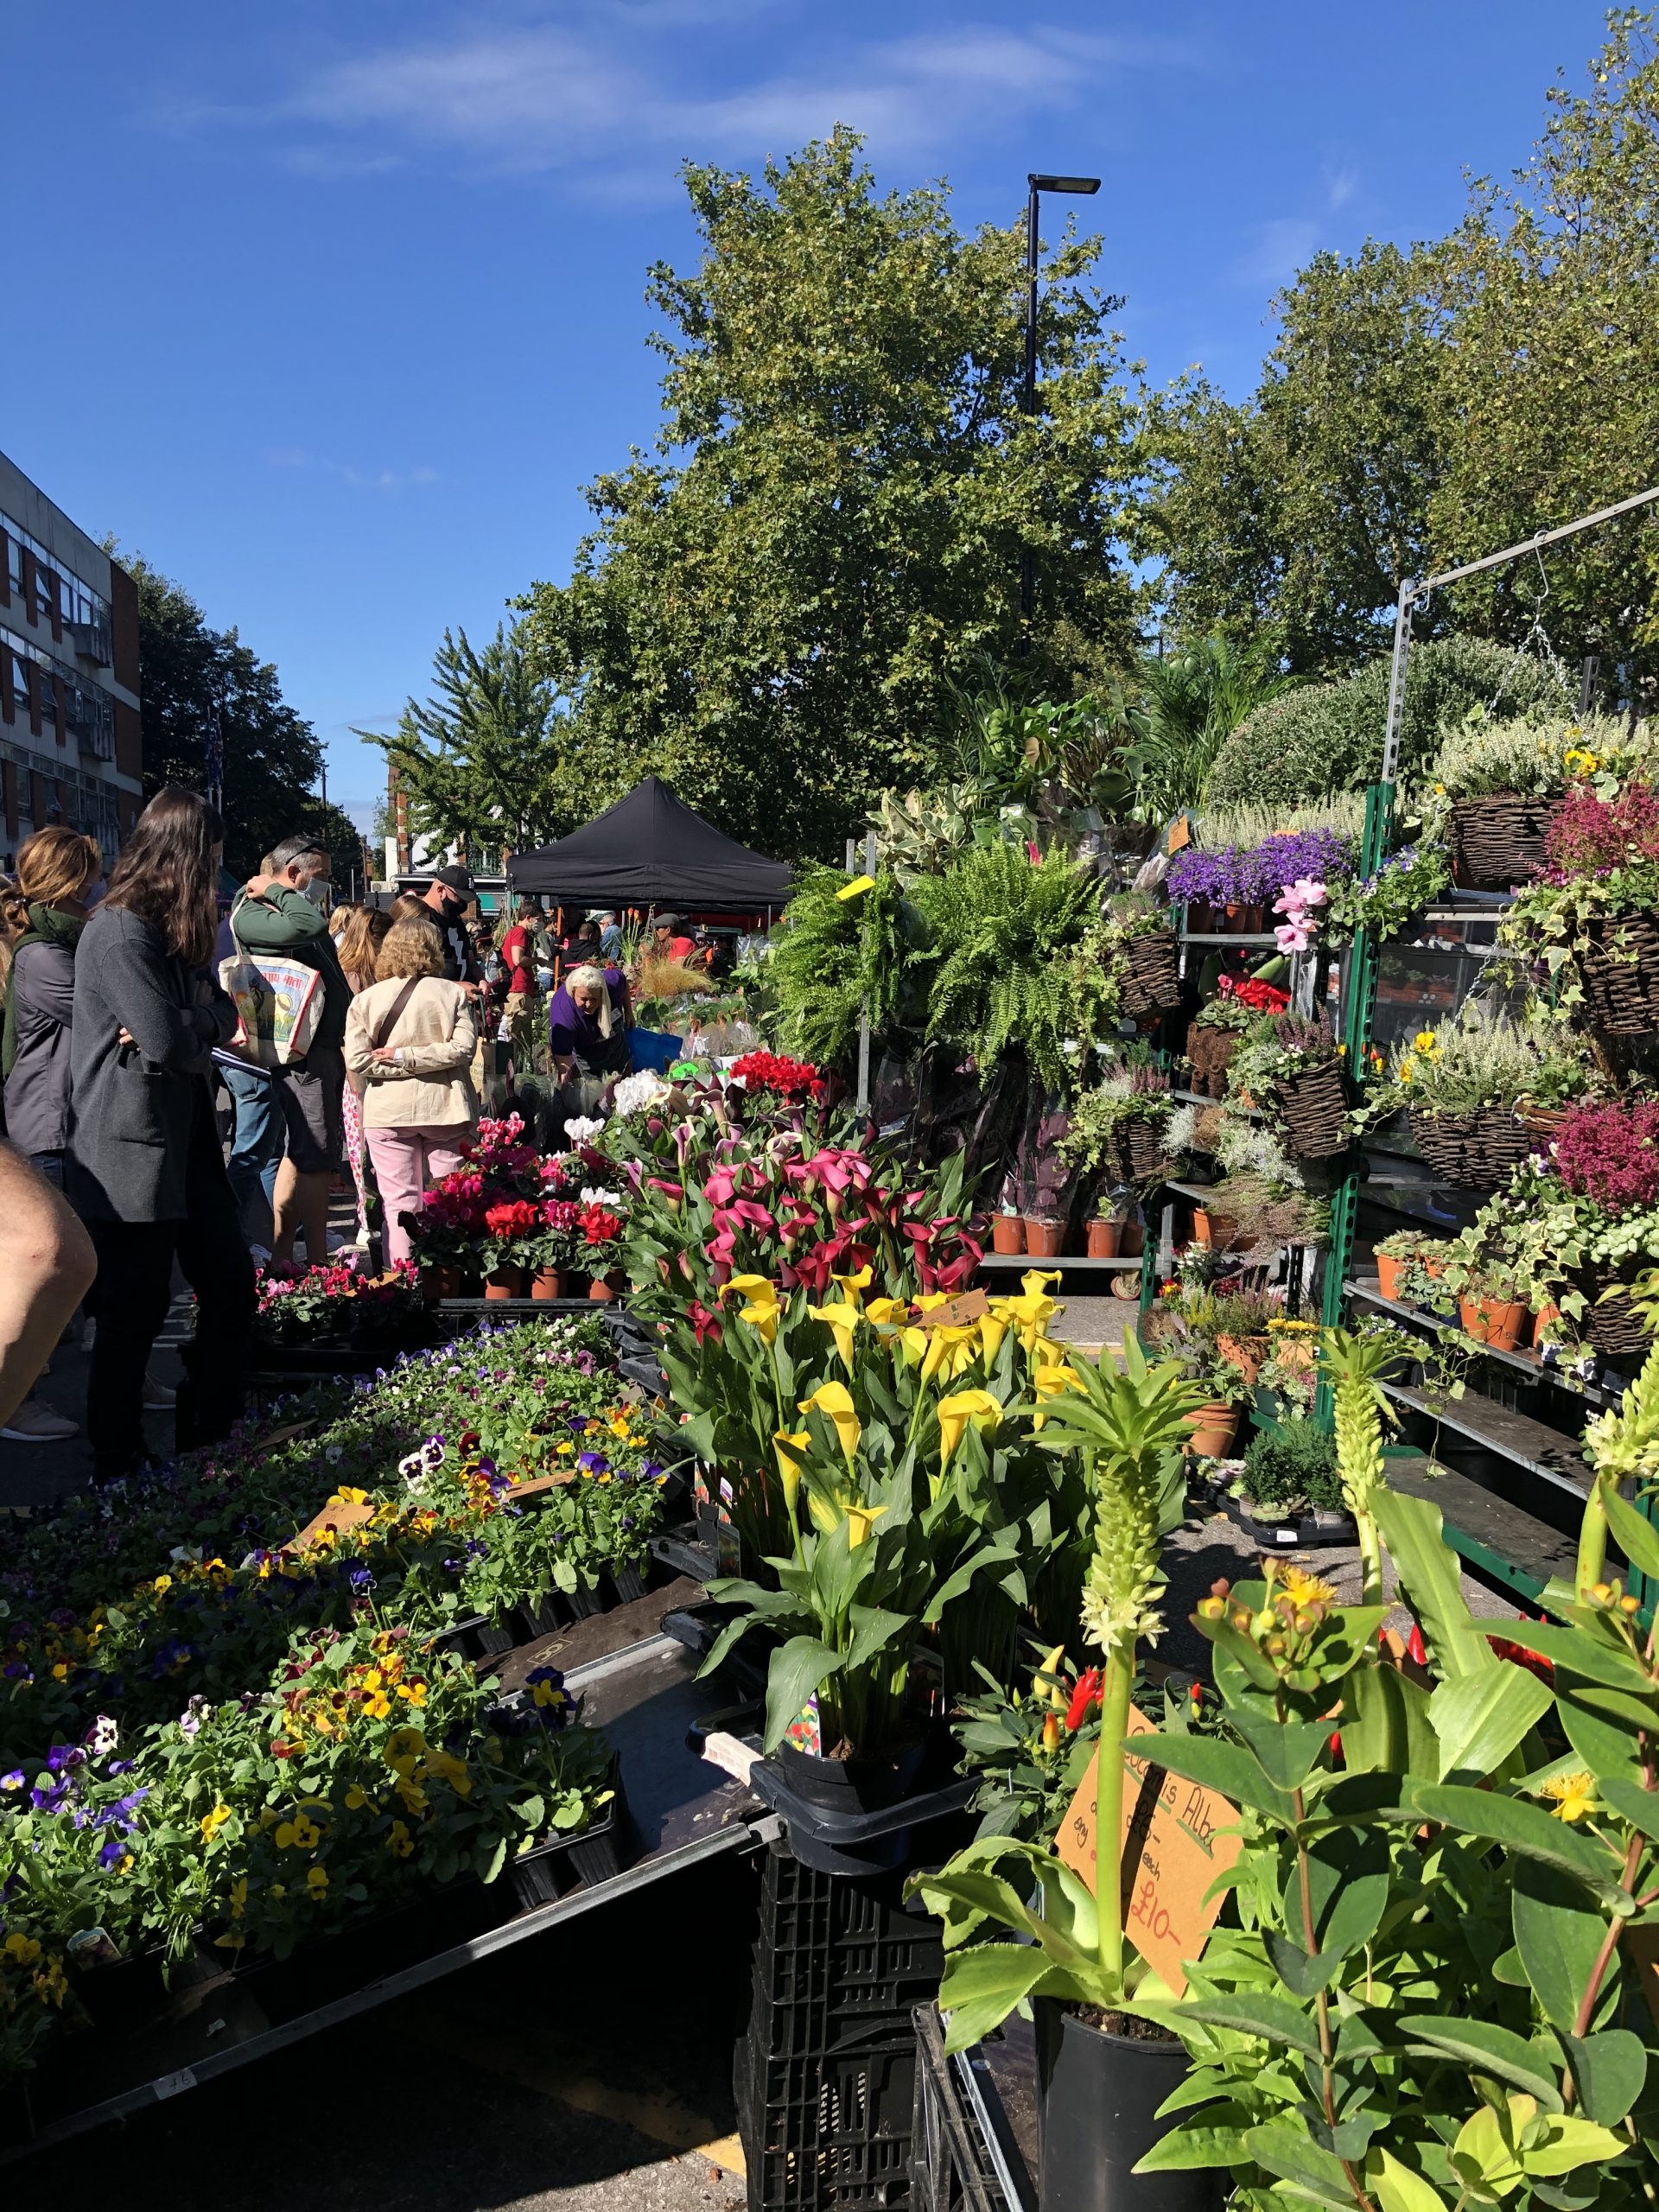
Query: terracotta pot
[1501, 1323]
[441, 1282]
[1007, 1233]
[1215, 1231]
[547, 1283]
[1103, 1239]
[1044, 1240]
[1131, 1240]
[505, 1282]
[1388, 1274]
[1544, 1316]
[1213, 1427]
[603, 1289]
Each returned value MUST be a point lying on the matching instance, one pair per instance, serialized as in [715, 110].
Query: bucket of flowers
[515, 1238]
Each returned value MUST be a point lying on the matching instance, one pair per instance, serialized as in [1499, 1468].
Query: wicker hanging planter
[1540, 1124]
[1209, 1055]
[1152, 984]
[1621, 985]
[1614, 1328]
[1473, 1152]
[1314, 1106]
[1498, 841]
[1146, 1150]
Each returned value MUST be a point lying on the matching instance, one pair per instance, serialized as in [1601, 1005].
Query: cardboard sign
[1180, 835]
[339, 1514]
[960, 1313]
[286, 1435]
[554, 1481]
[1171, 1854]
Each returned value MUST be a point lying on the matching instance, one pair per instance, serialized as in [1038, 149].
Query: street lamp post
[1037, 185]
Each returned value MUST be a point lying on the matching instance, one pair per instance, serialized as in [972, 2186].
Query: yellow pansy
[400, 1843]
[1426, 1043]
[316, 1880]
[212, 1822]
[357, 1800]
[957, 1412]
[404, 1748]
[844, 1319]
[835, 1401]
[791, 1447]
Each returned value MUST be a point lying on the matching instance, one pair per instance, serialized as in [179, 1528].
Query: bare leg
[46, 1266]
[302, 1208]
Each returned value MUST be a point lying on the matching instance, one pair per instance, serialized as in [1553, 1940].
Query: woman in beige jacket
[410, 1040]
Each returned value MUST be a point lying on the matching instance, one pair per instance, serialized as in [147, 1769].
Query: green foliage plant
[1469, 1062]
[1527, 757]
[1291, 1465]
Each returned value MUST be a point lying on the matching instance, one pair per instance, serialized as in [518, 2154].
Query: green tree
[1550, 397]
[272, 759]
[1289, 519]
[833, 517]
[482, 760]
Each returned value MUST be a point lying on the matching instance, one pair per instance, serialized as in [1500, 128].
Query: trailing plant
[1384, 904]
[1469, 1062]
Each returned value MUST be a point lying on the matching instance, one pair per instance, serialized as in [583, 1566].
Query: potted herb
[1293, 1067]
[1393, 1255]
[1289, 1489]
[1008, 1222]
[1491, 1306]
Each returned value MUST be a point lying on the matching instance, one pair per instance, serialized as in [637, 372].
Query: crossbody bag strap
[384, 1029]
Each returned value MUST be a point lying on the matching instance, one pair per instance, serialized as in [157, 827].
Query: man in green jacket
[283, 915]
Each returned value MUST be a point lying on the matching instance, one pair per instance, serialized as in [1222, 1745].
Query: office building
[71, 744]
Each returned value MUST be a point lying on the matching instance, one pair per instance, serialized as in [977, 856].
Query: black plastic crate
[953, 2167]
[825, 2077]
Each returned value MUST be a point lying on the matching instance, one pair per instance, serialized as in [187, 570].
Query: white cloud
[1278, 250]
[619, 87]
[361, 479]
[1340, 185]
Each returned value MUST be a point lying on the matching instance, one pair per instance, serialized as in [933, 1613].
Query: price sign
[1171, 1853]
[340, 1515]
[1180, 835]
[956, 1313]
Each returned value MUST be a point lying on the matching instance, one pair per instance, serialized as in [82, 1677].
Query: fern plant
[836, 955]
[1002, 928]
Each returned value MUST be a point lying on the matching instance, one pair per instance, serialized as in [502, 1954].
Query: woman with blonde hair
[359, 943]
[57, 867]
[410, 1040]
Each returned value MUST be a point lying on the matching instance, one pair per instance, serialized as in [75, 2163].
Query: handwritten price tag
[1170, 1854]
[956, 1313]
[340, 1514]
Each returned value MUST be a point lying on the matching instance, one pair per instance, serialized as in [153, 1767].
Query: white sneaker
[35, 1422]
[159, 1397]
[260, 1255]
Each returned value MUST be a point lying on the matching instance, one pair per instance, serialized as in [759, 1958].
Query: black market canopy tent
[649, 849]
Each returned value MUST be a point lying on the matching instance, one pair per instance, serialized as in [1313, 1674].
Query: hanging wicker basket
[1614, 1326]
[1540, 1124]
[1473, 1152]
[1498, 841]
[1314, 1106]
[1146, 1160]
[1619, 969]
[1152, 984]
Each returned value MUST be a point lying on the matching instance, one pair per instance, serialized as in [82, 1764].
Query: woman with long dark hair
[144, 1168]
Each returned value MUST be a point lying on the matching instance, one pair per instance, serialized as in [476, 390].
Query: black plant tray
[697, 1627]
[478, 1637]
[684, 1549]
[598, 1852]
[1306, 1532]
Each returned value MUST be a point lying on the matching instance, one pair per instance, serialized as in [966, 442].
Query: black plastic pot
[1097, 2098]
[852, 1816]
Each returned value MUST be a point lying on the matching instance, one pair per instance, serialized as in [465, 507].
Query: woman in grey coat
[144, 1169]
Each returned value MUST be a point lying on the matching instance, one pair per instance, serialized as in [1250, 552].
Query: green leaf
[1287, 1750]
[1231, 1769]
[798, 1668]
[1239, 1649]
[1384, 1724]
[1633, 1533]
[1480, 1719]
[1518, 1827]
[1348, 1877]
[1251, 2013]
[1395, 2188]
[1211, 2140]
[1428, 1568]
[1606, 1747]
[1573, 2143]
[982, 1985]
[1288, 2151]
[1301, 1975]
[1609, 2071]
[1559, 1932]
[1581, 1652]
[496, 1860]
[874, 1628]
[1484, 2047]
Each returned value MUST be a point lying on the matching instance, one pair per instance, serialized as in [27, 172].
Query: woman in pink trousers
[410, 1041]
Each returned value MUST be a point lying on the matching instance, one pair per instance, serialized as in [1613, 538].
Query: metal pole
[1028, 395]
[863, 1100]
[1587, 675]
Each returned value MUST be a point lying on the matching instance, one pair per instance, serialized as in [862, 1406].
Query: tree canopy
[482, 762]
[833, 516]
[1420, 407]
[272, 757]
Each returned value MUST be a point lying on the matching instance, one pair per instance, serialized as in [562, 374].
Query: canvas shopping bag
[278, 1004]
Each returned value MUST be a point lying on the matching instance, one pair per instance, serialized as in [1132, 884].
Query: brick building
[71, 749]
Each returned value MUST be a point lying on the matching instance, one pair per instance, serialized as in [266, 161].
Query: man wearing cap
[669, 940]
[449, 895]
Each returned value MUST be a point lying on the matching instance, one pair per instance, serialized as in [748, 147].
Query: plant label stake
[1173, 1847]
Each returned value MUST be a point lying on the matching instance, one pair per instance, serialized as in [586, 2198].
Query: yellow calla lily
[761, 1310]
[790, 1446]
[993, 1328]
[1035, 1281]
[861, 1520]
[835, 1401]
[913, 1342]
[1053, 1381]
[928, 1301]
[854, 1284]
[885, 1313]
[957, 1411]
[844, 1319]
[944, 1346]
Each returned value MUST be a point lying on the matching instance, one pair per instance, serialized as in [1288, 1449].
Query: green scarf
[47, 926]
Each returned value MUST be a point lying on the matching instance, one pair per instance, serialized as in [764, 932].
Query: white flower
[102, 1737]
[603, 1198]
[582, 1132]
[635, 1093]
[190, 1718]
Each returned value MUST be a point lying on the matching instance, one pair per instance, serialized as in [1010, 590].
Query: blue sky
[330, 307]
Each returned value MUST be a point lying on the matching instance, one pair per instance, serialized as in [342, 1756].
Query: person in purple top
[587, 1026]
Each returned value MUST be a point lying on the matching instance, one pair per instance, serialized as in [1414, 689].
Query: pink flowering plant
[329, 1302]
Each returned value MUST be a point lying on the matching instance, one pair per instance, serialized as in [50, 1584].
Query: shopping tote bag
[279, 1004]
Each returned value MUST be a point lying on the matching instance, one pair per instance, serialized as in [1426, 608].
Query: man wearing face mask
[449, 895]
[283, 914]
